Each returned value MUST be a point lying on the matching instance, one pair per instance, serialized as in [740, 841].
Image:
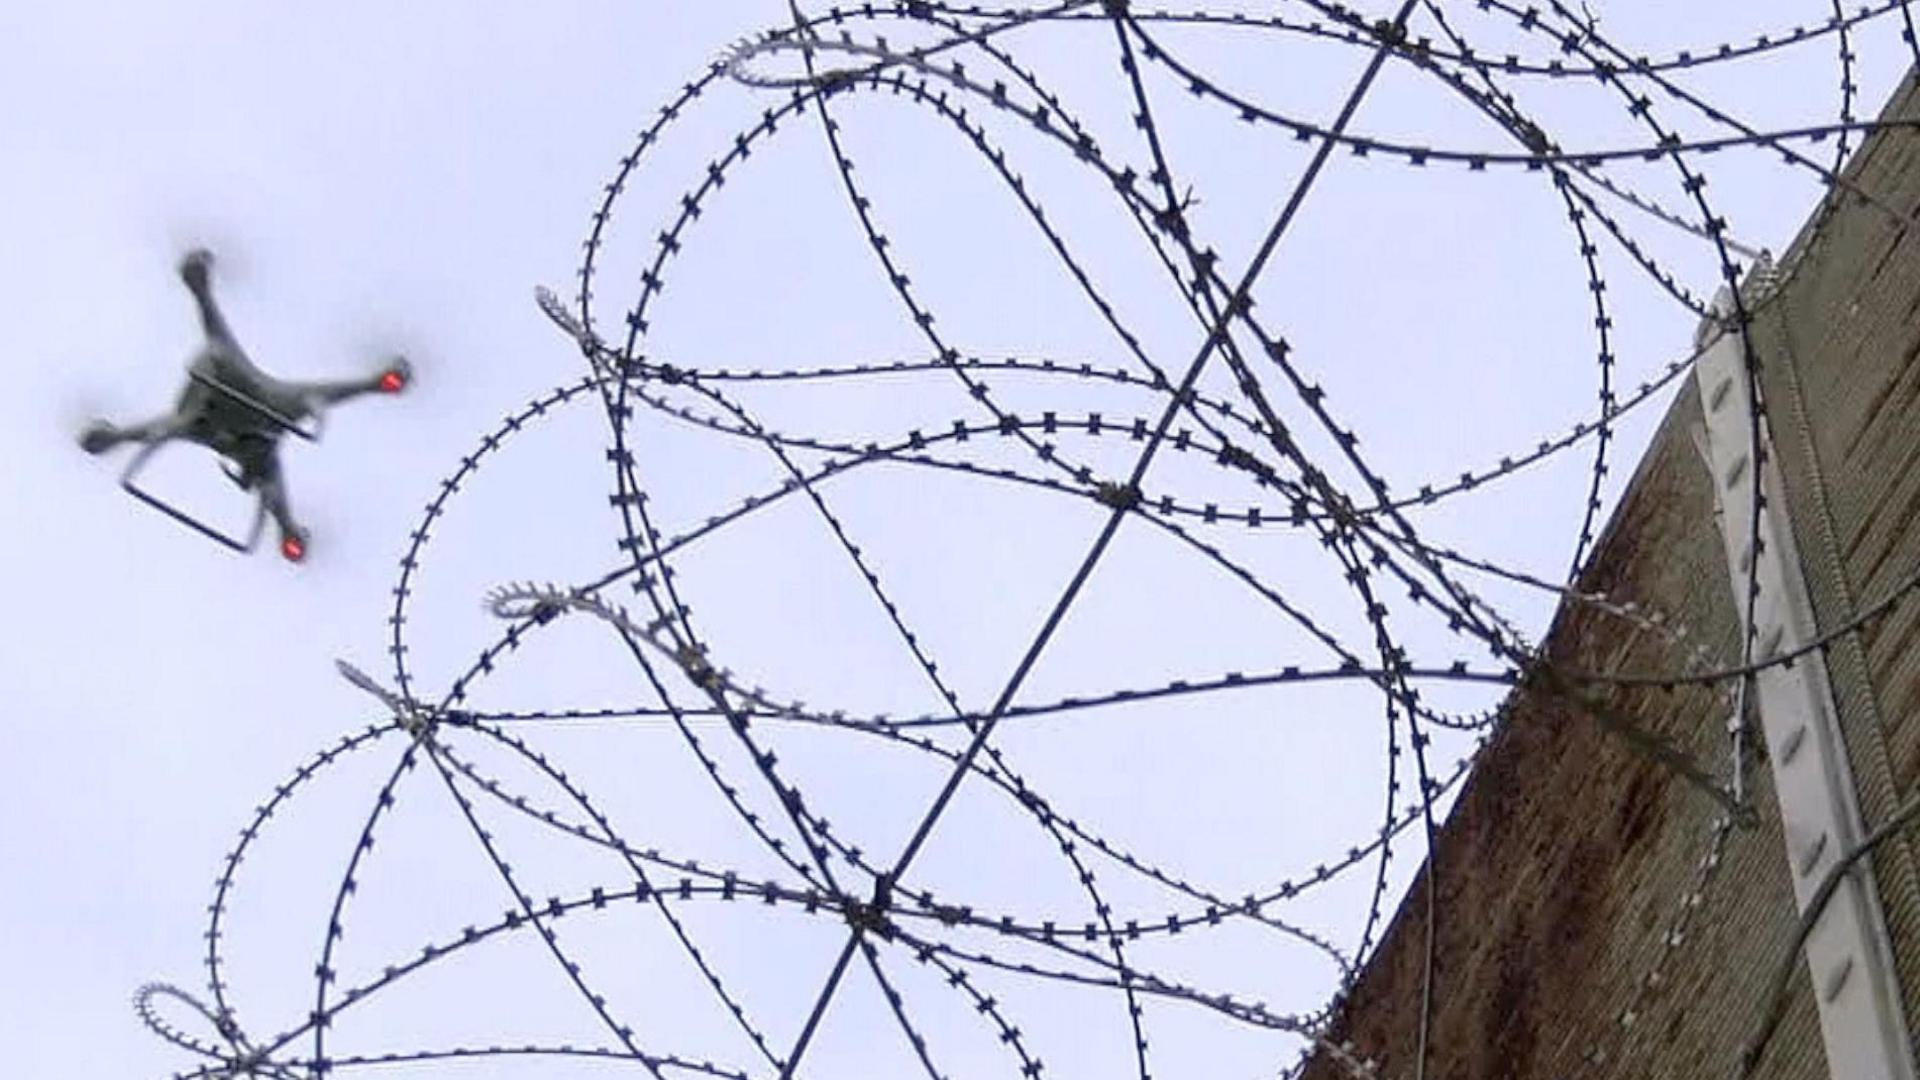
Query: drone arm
[194, 274]
[211, 320]
[328, 392]
[391, 379]
[103, 436]
[273, 500]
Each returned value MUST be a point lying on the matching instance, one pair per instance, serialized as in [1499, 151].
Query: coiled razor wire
[949, 983]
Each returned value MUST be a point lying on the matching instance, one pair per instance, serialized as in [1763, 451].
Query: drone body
[240, 412]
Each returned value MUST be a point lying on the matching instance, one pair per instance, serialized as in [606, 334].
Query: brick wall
[1842, 380]
[1597, 919]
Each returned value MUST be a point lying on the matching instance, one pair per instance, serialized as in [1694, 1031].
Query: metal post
[1848, 952]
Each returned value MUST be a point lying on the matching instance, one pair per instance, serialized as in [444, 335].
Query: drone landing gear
[229, 541]
[294, 540]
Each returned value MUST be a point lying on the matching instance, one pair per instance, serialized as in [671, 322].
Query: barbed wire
[1243, 410]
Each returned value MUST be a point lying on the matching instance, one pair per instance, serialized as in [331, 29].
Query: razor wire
[1241, 407]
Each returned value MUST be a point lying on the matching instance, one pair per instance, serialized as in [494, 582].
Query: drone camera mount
[292, 425]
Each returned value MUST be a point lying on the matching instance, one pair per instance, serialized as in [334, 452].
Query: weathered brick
[1570, 858]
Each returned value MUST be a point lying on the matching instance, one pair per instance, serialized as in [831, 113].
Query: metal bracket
[1847, 950]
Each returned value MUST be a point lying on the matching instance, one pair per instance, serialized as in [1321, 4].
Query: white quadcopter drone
[240, 412]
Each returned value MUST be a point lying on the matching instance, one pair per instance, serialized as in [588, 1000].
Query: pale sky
[376, 178]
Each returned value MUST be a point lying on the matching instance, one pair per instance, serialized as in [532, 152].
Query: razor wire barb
[1240, 404]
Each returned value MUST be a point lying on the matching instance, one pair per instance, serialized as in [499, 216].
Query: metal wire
[961, 72]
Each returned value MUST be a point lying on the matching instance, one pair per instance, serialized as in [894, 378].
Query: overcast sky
[377, 178]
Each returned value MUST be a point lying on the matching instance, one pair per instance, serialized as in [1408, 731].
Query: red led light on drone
[392, 382]
[293, 549]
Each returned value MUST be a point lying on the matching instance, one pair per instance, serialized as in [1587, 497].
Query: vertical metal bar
[1848, 951]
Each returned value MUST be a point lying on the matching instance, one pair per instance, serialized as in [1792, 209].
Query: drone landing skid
[139, 463]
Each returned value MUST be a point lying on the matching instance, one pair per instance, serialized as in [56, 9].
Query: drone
[241, 413]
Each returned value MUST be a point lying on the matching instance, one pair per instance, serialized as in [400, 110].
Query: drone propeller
[231, 264]
[80, 409]
[397, 377]
[398, 351]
